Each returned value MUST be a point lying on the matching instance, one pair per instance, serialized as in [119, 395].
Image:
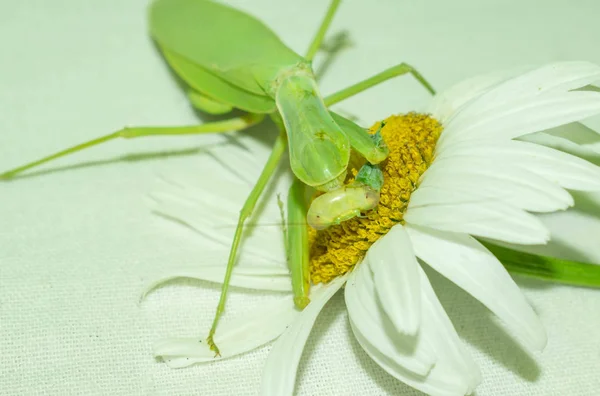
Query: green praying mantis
[230, 60]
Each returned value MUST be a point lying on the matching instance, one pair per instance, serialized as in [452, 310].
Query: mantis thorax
[303, 69]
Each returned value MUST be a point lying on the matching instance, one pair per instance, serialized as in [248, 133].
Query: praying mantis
[230, 60]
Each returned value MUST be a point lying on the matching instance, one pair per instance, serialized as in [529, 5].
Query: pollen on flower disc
[411, 139]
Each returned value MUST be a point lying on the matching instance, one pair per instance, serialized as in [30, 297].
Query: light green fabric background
[77, 244]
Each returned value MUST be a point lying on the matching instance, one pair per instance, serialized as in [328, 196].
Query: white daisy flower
[454, 173]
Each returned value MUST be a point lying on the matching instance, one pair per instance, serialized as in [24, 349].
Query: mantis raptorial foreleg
[297, 243]
[269, 169]
[295, 236]
[232, 124]
[371, 147]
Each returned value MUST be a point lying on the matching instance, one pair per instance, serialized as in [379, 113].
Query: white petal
[490, 220]
[463, 260]
[395, 272]
[182, 352]
[574, 138]
[522, 117]
[454, 373]
[239, 156]
[545, 80]
[273, 278]
[239, 335]
[428, 384]
[497, 182]
[448, 103]
[448, 343]
[434, 195]
[221, 200]
[199, 216]
[279, 375]
[561, 168]
[217, 223]
[413, 353]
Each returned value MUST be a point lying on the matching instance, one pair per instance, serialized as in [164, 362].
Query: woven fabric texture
[78, 240]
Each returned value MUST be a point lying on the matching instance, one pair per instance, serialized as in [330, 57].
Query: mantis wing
[216, 88]
[225, 42]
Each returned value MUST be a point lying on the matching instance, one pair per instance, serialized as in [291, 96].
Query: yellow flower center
[411, 139]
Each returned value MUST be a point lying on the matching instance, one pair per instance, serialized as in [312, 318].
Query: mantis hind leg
[378, 78]
[269, 169]
[318, 39]
[232, 124]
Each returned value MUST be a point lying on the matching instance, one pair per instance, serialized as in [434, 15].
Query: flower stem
[547, 268]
